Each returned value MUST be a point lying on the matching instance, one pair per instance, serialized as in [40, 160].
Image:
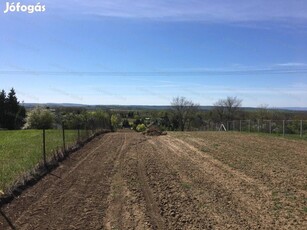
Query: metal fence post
[63, 133]
[249, 125]
[44, 148]
[270, 126]
[240, 126]
[283, 127]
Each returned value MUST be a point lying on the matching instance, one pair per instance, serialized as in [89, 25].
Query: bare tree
[226, 109]
[219, 110]
[184, 110]
[263, 112]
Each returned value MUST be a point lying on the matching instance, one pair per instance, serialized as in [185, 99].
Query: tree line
[12, 114]
[70, 118]
[187, 115]
[183, 115]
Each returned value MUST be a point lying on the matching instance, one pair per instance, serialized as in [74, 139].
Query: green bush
[141, 128]
[40, 118]
[116, 121]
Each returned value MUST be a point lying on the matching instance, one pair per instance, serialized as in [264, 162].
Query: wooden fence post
[283, 127]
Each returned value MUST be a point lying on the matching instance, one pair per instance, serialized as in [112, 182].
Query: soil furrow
[64, 184]
[207, 180]
[245, 196]
[153, 210]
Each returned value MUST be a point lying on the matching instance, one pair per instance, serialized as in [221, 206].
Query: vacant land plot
[205, 180]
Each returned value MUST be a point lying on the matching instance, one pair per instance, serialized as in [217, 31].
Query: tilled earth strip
[74, 196]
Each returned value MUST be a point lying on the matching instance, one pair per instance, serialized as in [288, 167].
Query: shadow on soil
[9, 222]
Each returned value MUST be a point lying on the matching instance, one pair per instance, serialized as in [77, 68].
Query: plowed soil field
[201, 180]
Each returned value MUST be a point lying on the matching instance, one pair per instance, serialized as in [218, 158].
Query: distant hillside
[112, 107]
[52, 105]
[295, 108]
[139, 107]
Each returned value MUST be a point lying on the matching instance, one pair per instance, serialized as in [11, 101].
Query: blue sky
[147, 52]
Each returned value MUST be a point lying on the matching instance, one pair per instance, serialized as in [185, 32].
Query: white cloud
[239, 69]
[199, 10]
[292, 64]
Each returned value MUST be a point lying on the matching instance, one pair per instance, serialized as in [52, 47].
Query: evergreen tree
[12, 107]
[2, 108]
[11, 113]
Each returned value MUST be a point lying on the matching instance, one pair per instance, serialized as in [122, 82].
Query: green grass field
[21, 150]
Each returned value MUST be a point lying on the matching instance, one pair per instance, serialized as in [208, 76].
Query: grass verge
[21, 151]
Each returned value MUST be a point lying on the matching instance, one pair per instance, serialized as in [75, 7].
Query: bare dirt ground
[126, 180]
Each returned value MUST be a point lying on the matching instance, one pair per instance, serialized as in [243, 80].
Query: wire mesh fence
[295, 128]
[21, 151]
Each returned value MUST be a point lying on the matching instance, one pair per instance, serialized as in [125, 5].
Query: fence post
[233, 126]
[227, 125]
[249, 125]
[301, 132]
[240, 126]
[78, 133]
[258, 125]
[270, 126]
[63, 133]
[44, 148]
[283, 127]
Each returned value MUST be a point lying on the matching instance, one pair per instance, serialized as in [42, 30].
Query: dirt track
[129, 181]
